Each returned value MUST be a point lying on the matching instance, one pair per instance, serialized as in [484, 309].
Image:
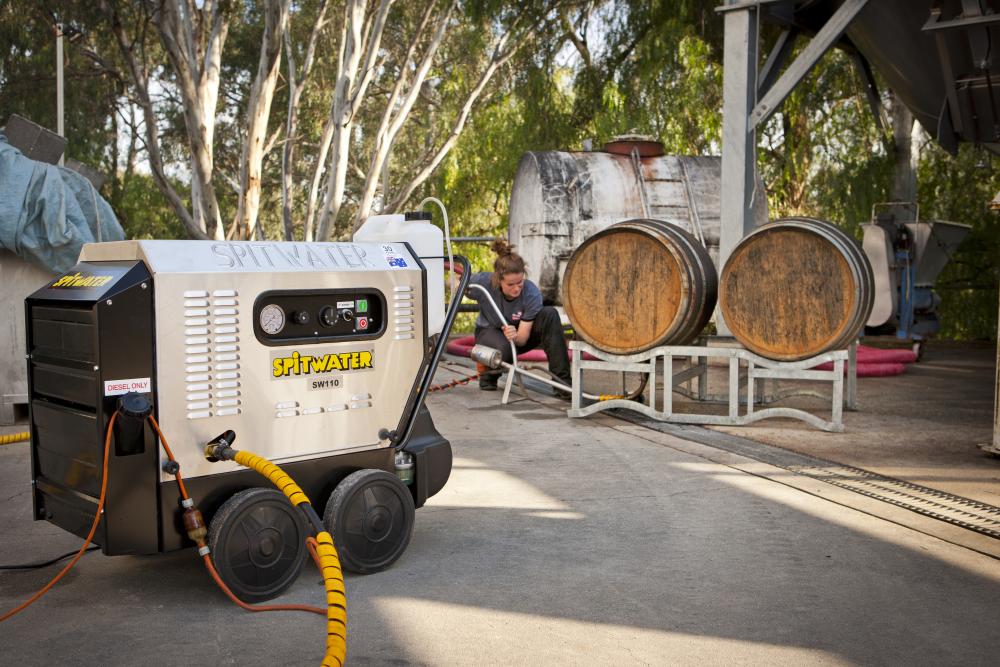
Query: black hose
[409, 418]
[36, 566]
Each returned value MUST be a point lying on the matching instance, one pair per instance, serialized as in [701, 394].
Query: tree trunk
[347, 61]
[258, 113]
[393, 118]
[906, 153]
[193, 39]
[288, 154]
[295, 88]
[499, 58]
[347, 98]
[324, 149]
[140, 81]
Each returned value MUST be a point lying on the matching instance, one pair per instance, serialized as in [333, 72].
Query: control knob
[328, 316]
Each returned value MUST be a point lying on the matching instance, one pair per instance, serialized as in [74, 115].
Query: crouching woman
[527, 322]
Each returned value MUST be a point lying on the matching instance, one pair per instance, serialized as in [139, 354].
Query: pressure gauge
[272, 319]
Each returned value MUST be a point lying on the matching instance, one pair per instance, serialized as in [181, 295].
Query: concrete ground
[556, 542]
[923, 426]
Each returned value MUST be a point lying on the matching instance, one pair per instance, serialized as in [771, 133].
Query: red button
[362, 323]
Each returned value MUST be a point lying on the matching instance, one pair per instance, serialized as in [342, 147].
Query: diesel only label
[319, 364]
[119, 387]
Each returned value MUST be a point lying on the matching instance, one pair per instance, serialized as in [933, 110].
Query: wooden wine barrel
[795, 288]
[639, 284]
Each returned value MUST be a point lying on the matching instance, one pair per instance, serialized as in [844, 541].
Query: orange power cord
[207, 558]
[465, 379]
[310, 542]
[93, 529]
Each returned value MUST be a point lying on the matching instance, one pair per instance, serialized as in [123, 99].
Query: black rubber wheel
[370, 515]
[258, 543]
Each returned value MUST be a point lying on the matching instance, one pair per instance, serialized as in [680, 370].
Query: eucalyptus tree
[388, 91]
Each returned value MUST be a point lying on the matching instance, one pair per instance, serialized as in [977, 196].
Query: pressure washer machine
[317, 356]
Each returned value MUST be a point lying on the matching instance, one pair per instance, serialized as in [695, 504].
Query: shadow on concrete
[555, 542]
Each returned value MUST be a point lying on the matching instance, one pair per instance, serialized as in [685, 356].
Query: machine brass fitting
[194, 524]
[221, 447]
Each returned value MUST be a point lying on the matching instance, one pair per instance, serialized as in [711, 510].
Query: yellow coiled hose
[336, 602]
[14, 437]
[333, 576]
[274, 475]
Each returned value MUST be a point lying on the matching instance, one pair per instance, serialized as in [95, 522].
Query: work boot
[562, 393]
[488, 381]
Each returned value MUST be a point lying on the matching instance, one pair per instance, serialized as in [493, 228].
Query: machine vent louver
[402, 312]
[212, 353]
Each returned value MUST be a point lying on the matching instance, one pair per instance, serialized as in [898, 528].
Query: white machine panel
[329, 389]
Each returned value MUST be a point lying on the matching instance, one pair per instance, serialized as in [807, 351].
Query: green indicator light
[362, 306]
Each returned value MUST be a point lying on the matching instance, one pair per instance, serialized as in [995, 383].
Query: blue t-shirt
[522, 309]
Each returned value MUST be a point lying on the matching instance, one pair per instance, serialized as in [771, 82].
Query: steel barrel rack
[741, 362]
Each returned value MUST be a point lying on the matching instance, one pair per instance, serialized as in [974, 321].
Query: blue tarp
[48, 212]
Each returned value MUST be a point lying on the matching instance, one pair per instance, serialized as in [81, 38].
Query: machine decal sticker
[392, 257]
[119, 387]
[81, 281]
[335, 382]
[297, 364]
[244, 255]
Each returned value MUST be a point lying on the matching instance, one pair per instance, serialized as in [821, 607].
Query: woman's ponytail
[507, 261]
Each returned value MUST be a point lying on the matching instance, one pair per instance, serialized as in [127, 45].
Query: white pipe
[514, 367]
[548, 381]
[513, 348]
[447, 239]
[60, 130]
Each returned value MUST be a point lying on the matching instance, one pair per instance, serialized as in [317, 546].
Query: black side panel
[127, 351]
[431, 458]
[66, 384]
[63, 451]
[316, 478]
[93, 325]
[70, 511]
[65, 334]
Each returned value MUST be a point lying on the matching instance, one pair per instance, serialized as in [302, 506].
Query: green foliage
[957, 189]
[657, 69]
[141, 212]
[594, 69]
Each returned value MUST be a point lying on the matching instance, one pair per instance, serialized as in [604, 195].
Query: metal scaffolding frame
[745, 104]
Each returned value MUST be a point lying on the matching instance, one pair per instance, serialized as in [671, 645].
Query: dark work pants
[546, 332]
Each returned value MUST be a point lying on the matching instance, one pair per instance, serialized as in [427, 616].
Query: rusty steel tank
[560, 199]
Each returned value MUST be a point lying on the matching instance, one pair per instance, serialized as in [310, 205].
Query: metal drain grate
[956, 510]
[948, 507]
